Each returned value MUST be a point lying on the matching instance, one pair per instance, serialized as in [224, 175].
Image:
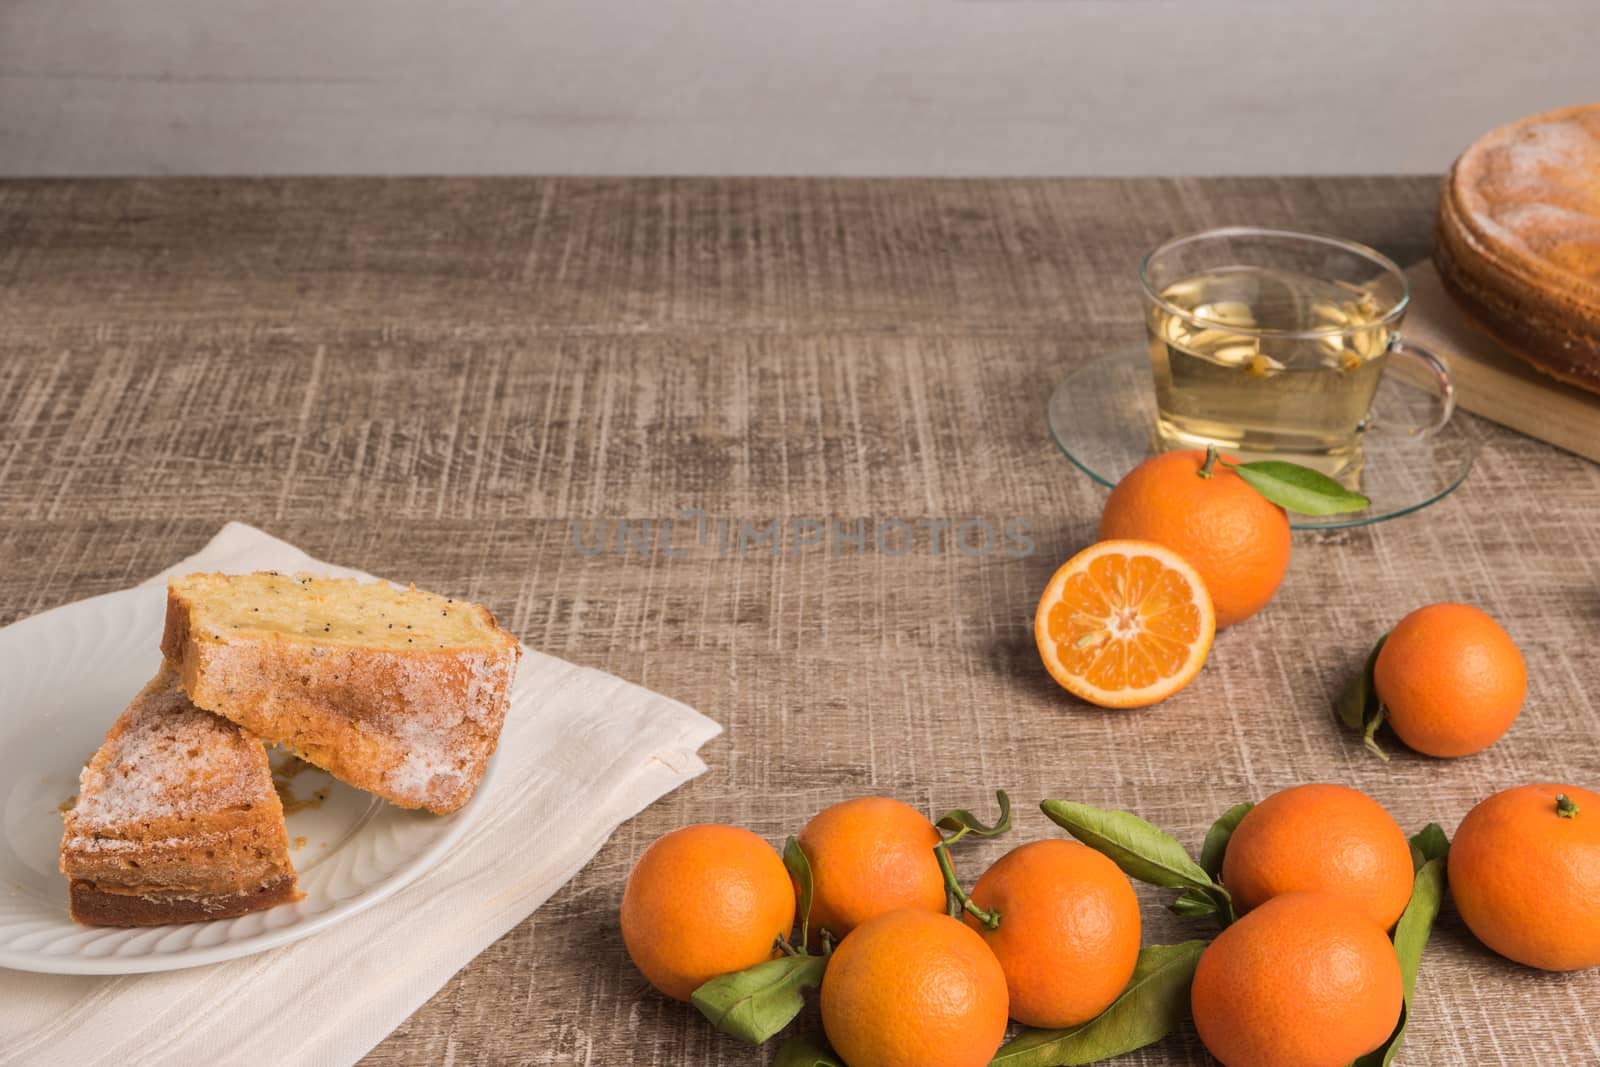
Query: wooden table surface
[435, 379]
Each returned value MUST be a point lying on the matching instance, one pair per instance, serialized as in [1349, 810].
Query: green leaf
[1299, 489]
[962, 822]
[1351, 704]
[1358, 700]
[1193, 902]
[1155, 1003]
[1216, 843]
[799, 865]
[1141, 850]
[1431, 842]
[1412, 931]
[804, 1052]
[756, 1003]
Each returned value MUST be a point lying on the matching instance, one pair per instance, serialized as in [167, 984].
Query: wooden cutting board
[1490, 381]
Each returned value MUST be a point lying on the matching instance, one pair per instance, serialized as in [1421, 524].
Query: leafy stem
[990, 919]
[1154, 856]
[962, 822]
[1430, 847]
[1217, 838]
[805, 1052]
[1565, 807]
[1141, 850]
[757, 1002]
[1206, 901]
[799, 867]
[1369, 733]
[1155, 1003]
[1289, 485]
[1358, 706]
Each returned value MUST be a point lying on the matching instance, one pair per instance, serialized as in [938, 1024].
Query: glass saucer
[1103, 417]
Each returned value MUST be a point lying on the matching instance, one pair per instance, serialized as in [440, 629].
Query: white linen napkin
[582, 750]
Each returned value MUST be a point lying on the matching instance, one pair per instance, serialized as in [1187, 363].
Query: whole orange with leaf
[1451, 679]
[1321, 837]
[913, 988]
[868, 856]
[1304, 980]
[1525, 874]
[1065, 928]
[702, 901]
[1233, 536]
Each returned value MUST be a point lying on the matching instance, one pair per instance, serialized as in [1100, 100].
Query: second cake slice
[176, 820]
[396, 691]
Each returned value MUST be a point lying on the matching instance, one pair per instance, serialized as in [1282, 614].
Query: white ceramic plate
[65, 676]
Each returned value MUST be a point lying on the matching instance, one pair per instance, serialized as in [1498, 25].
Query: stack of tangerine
[1050, 937]
[1306, 976]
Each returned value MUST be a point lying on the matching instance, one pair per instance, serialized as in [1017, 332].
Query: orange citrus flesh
[1124, 623]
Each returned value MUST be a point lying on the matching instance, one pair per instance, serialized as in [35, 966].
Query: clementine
[1525, 873]
[1124, 624]
[1451, 679]
[703, 901]
[1305, 980]
[1321, 837]
[1068, 933]
[868, 856]
[912, 988]
[1231, 534]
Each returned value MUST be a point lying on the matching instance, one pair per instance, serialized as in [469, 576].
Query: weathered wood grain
[436, 379]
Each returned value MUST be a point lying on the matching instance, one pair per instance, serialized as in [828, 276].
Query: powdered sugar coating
[1534, 187]
[114, 844]
[447, 732]
[413, 720]
[166, 758]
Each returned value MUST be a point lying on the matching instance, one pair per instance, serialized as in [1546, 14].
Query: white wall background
[763, 87]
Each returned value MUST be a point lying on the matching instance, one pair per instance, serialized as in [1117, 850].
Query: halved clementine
[1124, 623]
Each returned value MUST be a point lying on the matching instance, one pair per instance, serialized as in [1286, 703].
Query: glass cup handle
[1437, 372]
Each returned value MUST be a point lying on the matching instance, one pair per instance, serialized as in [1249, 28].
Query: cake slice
[176, 820]
[396, 691]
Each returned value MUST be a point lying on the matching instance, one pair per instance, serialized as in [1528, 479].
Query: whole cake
[395, 691]
[176, 820]
[1518, 239]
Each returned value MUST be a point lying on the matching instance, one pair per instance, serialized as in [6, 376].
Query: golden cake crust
[176, 819]
[1518, 239]
[413, 719]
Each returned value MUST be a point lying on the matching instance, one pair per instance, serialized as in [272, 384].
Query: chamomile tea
[1267, 362]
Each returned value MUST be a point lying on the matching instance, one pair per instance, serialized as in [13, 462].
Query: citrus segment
[1124, 623]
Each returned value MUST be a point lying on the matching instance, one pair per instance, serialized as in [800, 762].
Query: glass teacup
[1270, 344]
